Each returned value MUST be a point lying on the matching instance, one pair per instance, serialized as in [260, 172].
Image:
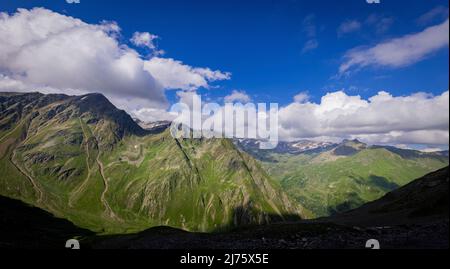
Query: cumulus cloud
[398, 52]
[418, 118]
[237, 96]
[42, 50]
[188, 97]
[428, 137]
[174, 74]
[153, 114]
[430, 150]
[301, 97]
[145, 39]
[348, 26]
[7, 83]
[415, 119]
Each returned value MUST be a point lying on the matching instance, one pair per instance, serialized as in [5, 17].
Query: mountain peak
[93, 108]
[87, 150]
[349, 147]
[100, 108]
[95, 101]
[352, 141]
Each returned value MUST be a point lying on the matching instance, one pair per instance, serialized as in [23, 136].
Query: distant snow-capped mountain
[293, 147]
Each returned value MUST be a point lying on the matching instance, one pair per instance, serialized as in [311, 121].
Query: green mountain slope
[424, 200]
[348, 175]
[82, 159]
[414, 216]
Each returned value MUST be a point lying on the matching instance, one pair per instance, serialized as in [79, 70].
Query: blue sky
[338, 54]
[261, 42]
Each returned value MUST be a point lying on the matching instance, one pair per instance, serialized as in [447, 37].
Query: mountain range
[82, 159]
[413, 216]
[329, 178]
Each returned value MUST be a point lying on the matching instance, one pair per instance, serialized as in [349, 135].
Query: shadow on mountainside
[27, 227]
[247, 216]
[353, 200]
[415, 216]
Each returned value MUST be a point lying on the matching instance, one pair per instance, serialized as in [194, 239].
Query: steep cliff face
[81, 158]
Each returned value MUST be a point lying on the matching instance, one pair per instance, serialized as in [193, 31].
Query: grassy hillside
[347, 176]
[424, 200]
[84, 160]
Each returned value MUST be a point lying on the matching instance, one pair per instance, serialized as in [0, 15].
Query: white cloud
[403, 146]
[41, 50]
[428, 137]
[381, 119]
[153, 114]
[439, 12]
[348, 26]
[301, 97]
[188, 97]
[430, 150]
[237, 96]
[144, 39]
[415, 119]
[8, 84]
[398, 52]
[44, 49]
[174, 74]
[147, 40]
